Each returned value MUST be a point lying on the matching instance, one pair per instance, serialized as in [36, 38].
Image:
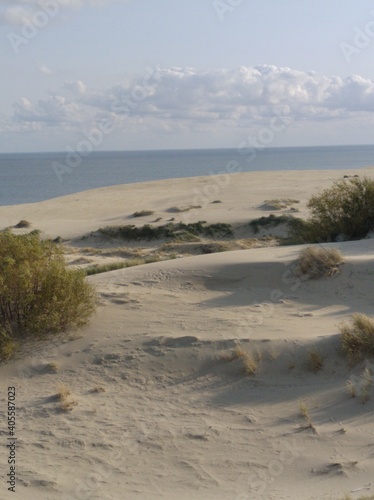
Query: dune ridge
[156, 400]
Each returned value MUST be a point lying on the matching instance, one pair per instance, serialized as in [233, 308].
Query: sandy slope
[242, 196]
[158, 412]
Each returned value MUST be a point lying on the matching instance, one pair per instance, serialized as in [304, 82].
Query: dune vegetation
[39, 294]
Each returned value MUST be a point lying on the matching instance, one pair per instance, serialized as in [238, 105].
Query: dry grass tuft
[304, 412]
[351, 389]
[51, 367]
[67, 405]
[357, 338]
[360, 386]
[237, 353]
[315, 361]
[319, 262]
[250, 362]
[63, 392]
[64, 397]
[367, 380]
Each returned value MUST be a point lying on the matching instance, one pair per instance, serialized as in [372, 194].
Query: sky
[87, 75]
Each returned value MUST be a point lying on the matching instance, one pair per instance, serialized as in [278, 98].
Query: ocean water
[32, 177]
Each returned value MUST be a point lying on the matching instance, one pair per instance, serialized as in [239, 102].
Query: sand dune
[159, 408]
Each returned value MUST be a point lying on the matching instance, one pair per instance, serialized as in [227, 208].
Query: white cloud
[239, 94]
[16, 15]
[44, 69]
[187, 99]
[55, 110]
[76, 87]
[19, 12]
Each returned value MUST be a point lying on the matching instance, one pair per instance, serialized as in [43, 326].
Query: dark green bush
[270, 221]
[38, 293]
[23, 223]
[148, 232]
[142, 213]
[346, 210]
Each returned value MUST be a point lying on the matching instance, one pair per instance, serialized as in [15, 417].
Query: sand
[157, 409]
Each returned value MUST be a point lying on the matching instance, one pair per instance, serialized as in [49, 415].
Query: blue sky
[161, 74]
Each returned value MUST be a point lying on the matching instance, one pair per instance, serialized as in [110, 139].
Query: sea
[33, 177]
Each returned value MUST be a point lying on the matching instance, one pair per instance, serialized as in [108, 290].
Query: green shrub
[23, 223]
[357, 338]
[271, 221]
[38, 293]
[344, 210]
[149, 232]
[7, 343]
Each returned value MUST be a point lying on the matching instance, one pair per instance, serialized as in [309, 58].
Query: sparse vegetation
[104, 268]
[236, 353]
[351, 389]
[183, 209]
[357, 338]
[142, 213]
[304, 412]
[249, 363]
[367, 380]
[360, 386]
[318, 262]
[171, 231]
[63, 392]
[279, 203]
[315, 361]
[23, 223]
[63, 395]
[51, 367]
[38, 293]
[271, 221]
[113, 266]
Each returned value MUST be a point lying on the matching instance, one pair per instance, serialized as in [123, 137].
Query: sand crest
[159, 401]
